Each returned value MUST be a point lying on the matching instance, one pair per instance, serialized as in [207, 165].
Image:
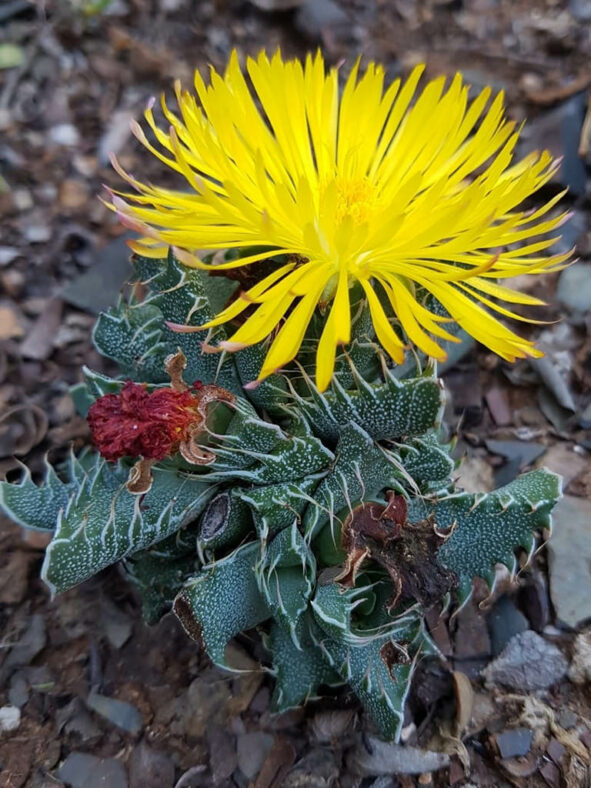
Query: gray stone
[10, 718]
[527, 663]
[120, 713]
[252, 749]
[18, 692]
[31, 643]
[504, 621]
[574, 287]
[569, 558]
[97, 288]
[150, 768]
[558, 130]
[81, 770]
[374, 757]
[580, 9]
[514, 742]
[315, 17]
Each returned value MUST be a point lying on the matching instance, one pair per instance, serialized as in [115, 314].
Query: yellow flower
[404, 192]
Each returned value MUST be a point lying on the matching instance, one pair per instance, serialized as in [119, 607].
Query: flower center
[355, 199]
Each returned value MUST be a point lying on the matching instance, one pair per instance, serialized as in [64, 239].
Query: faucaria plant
[267, 456]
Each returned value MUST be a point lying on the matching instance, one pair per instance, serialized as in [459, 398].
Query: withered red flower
[139, 423]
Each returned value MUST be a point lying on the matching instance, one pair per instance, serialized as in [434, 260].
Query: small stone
[150, 768]
[118, 712]
[569, 558]
[251, 750]
[496, 399]
[527, 663]
[8, 254]
[574, 287]
[37, 233]
[514, 742]
[64, 134]
[504, 621]
[73, 194]
[222, 754]
[315, 17]
[205, 703]
[579, 671]
[555, 750]
[10, 718]
[562, 459]
[26, 649]
[373, 757]
[580, 9]
[18, 692]
[10, 323]
[81, 770]
[567, 719]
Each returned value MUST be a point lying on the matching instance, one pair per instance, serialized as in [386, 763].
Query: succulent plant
[328, 520]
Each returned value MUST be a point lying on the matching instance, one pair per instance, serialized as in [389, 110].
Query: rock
[475, 475]
[150, 768]
[18, 692]
[471, 639]
[561, 459]
[11, 326]
[81, 770]
[64, 134]
[316, 18]
[522, 451]
[205, 703]
[514, 742]
[10, 718]
[251, 750]
[14, 577]
[118, 712]
[572, 233]
[317, 769]
[8, 254]
[579, 671]
[222, 754]
[496, 399]
[527, 663]
[558, 131]
[116, 624]
[31, 643]
[276, 5]
[374, 757]
[580, 9]
[37, 233]
[504, 621]
[75, 720]
[97, 288]
[574, 287]
[569, 559]
[39, 342]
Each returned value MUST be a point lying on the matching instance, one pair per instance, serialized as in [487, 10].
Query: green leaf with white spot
[102, 522]
[487, 528]
[223, 600]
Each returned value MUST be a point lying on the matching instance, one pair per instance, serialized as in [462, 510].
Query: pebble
[8, 254]
[150, 768]
[569, 558]
[514, 742]
[251, 751]
[10, 718]
[504, 621]
[527, 663]
[118, 712]
[574, 287]
[82, 770]
[580, 9]
[579, 671]
[374, 757]
[37, 233]
[10, 323]
[64, 134]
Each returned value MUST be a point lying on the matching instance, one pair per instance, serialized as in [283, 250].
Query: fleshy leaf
[487, 528]
[392, 409]
[223, 600]
[103, 523]
[299, 672]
